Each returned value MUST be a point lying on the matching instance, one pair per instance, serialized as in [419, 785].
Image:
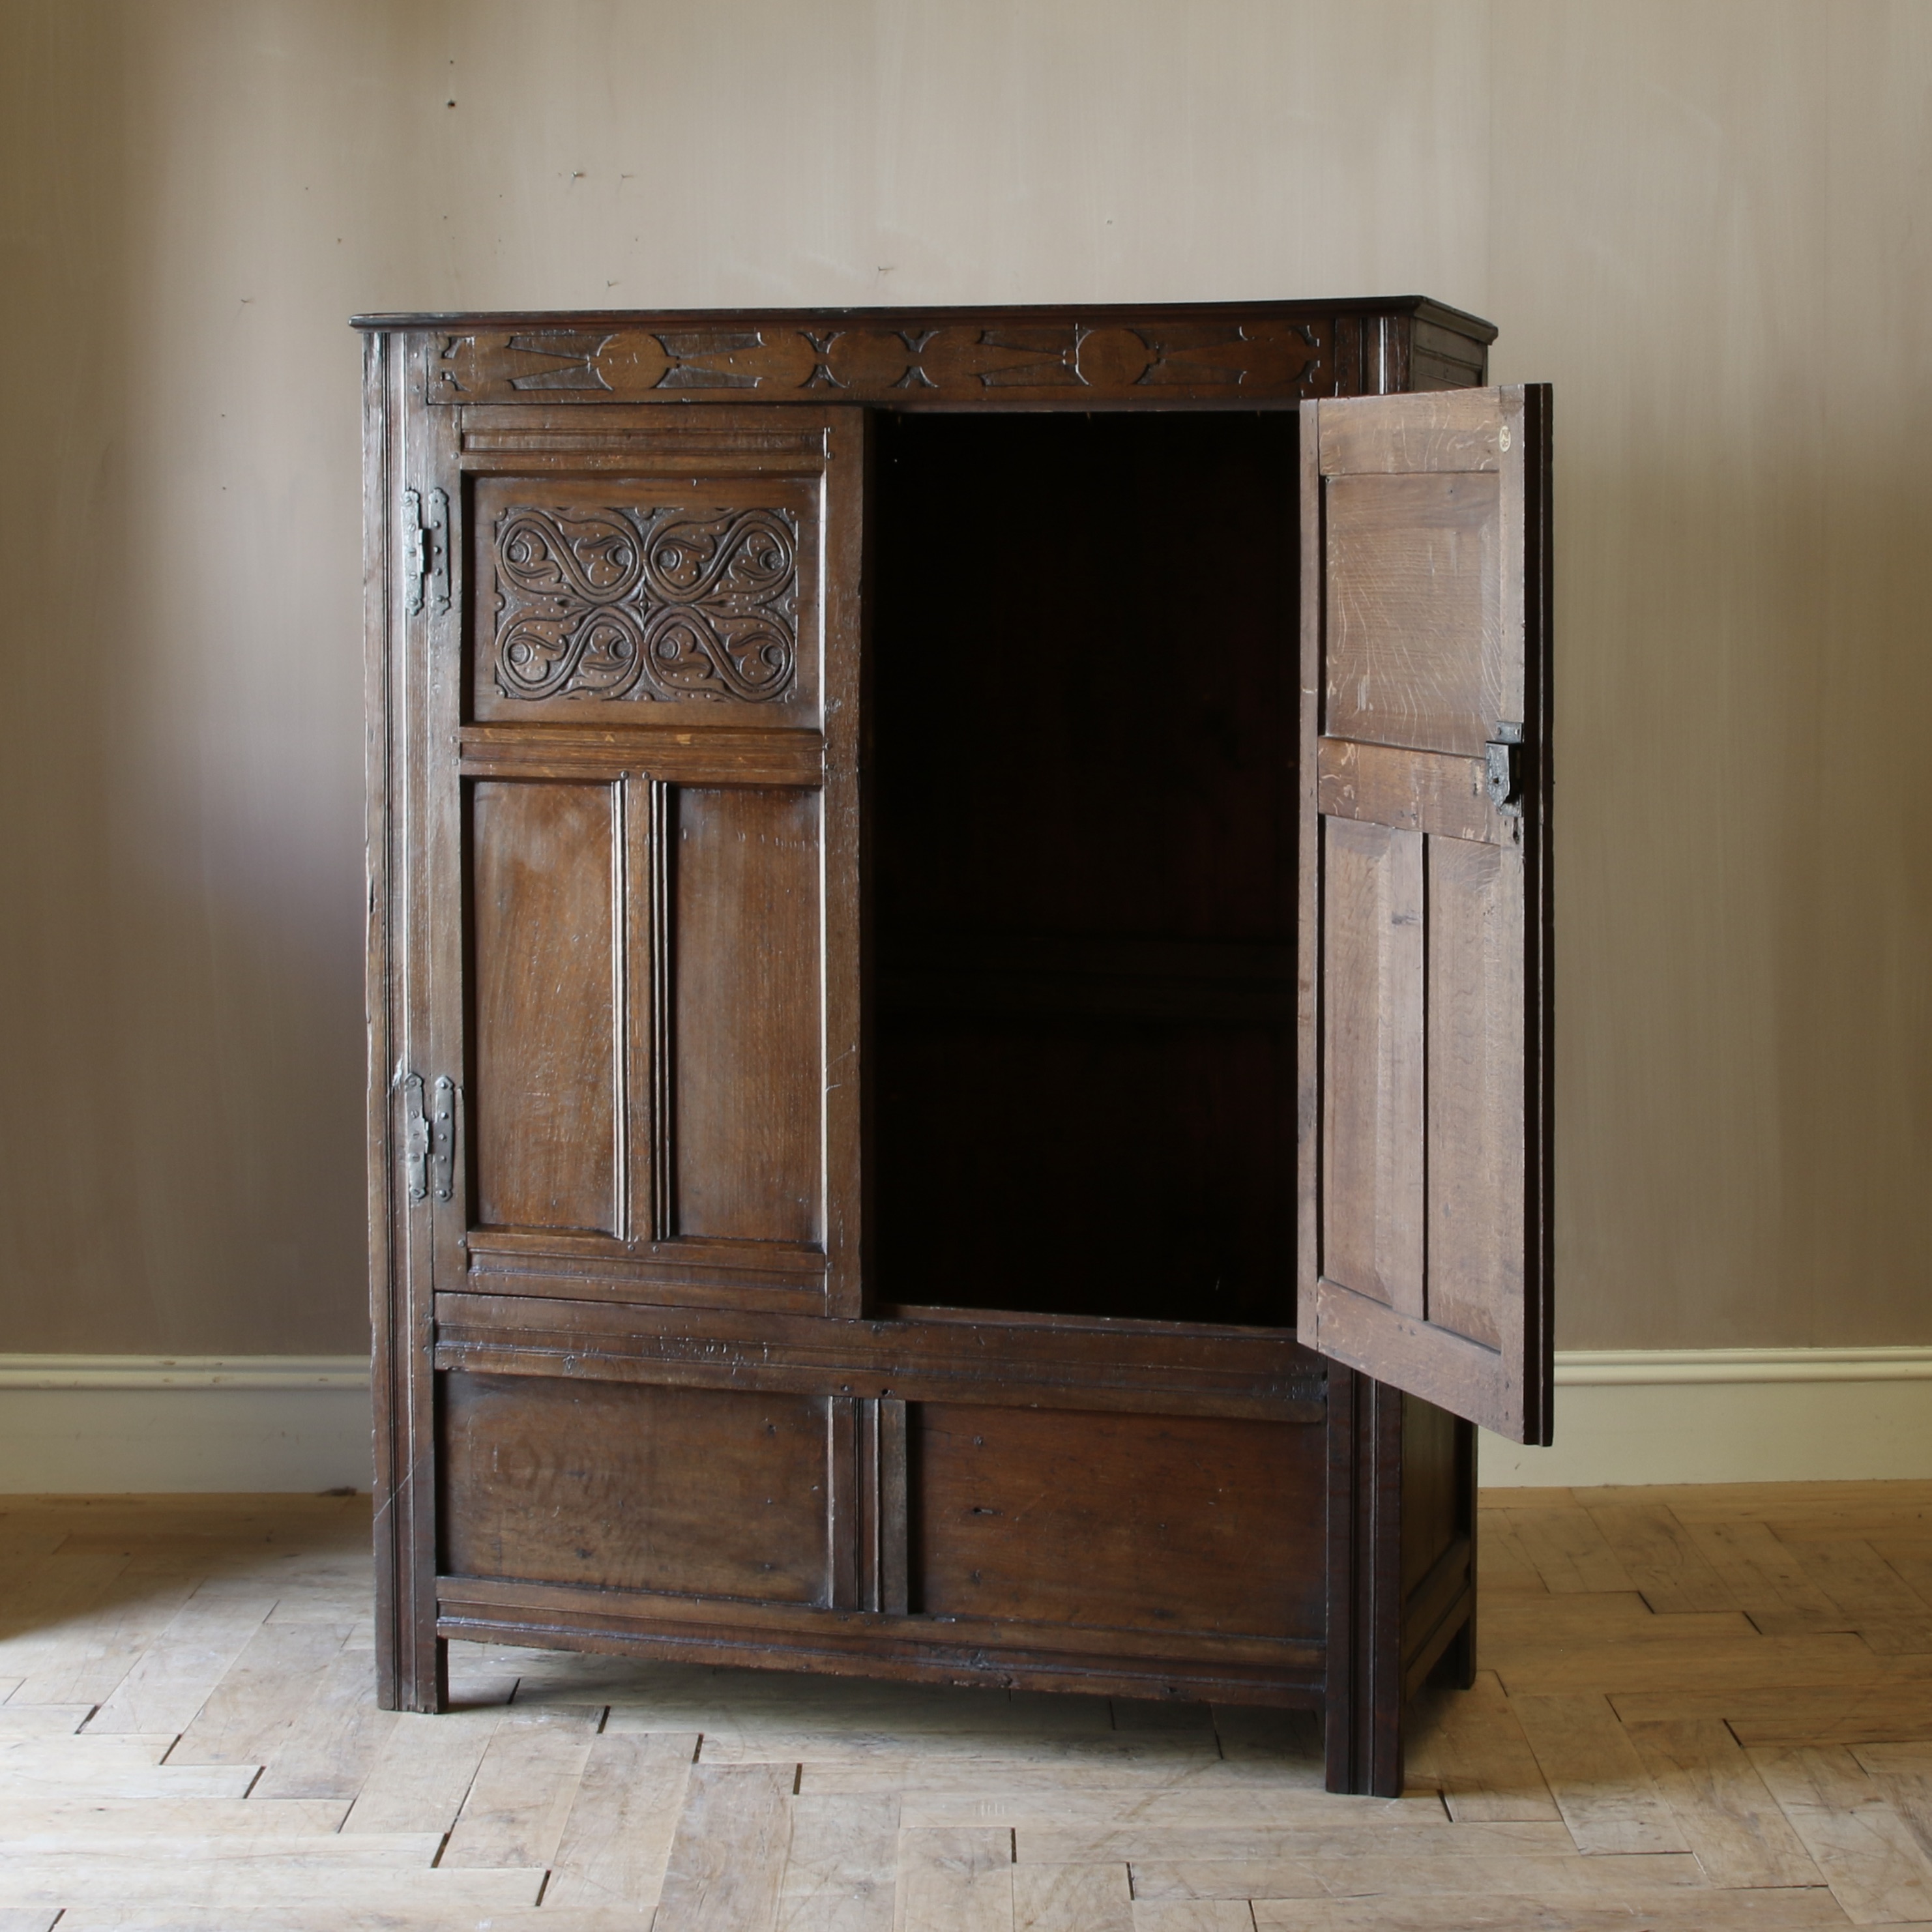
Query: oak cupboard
[958, 986]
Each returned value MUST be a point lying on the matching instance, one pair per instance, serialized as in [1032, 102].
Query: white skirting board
[1729, 1415]
[132, 1424]
[114, 1425]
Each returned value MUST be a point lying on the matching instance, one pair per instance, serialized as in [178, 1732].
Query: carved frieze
[657, 601]
[1261, 357]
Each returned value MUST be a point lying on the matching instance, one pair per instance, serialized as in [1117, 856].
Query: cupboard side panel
[746, 1030]
[547, 988]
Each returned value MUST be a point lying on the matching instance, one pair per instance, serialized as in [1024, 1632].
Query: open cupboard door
[1424, 1242]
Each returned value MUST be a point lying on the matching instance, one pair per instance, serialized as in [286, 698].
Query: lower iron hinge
[429, 1137]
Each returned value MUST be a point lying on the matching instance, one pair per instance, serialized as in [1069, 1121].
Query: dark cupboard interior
[1081, 835]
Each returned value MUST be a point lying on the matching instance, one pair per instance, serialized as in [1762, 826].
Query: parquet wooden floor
[1700, 1708]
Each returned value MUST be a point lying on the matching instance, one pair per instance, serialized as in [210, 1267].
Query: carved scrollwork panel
[661, 602]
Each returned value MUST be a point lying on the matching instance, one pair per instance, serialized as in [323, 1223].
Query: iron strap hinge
[426, 550]
[429, 1137]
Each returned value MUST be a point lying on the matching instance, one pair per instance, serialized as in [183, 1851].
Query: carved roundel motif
[646, 603]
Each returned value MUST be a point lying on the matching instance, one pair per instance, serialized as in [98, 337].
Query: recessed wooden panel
[1415, 791]
[1414, 610]
[1372, 1035]
[1431, 431]
[745, 1044]
[543, 1099]
[635, 1487]
[1122, 1521]
[1475, 1087]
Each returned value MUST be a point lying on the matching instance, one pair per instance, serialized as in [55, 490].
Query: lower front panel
[632, 1486]
[1157, 1522]
[1150, 1554]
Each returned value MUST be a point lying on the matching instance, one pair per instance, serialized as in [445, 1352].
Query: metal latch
[429, 1138]
[426, 549]
[1502, 764]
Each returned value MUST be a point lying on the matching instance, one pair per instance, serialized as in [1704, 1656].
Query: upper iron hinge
[429, 1137]
[1502, 765]
[426, 550]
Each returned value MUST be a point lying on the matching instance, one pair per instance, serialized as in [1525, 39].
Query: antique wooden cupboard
[959, 964]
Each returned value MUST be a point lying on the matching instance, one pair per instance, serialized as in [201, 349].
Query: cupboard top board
[1155, 354]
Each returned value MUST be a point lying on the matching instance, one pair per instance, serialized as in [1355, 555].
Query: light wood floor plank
[1858, 1580]
[423, 1772]
[1503, 1570]
[1798, 1714]
[1596, 1777]
[1904, 1773]
[1014, 1777]
[1814, 1910]
[840, 1873]
[1192, 1915]
[321, 1852]
[1697, 1665]
[1573, 1877]
[1567, 1549]
[228, 1886]
[1229, 1878]
[1138, 1840]
[523, 1790]
[1295, 1822]
[43, 1598]
[1876, 1870]
[1764, 1576]
[82, 1813]
[1605, 1618]
[127, 1765]
[617, 1839]
[1072, 1898]
[181, 1668]
[727, 1857]
[1160, 1753]
[337, 1735]
[1468, 1746]
[1726, 1811]
[43, 1720]
[1660, 1559]
[446, 1914]
[263, 1694]
[954, 1881]
[82, 1660]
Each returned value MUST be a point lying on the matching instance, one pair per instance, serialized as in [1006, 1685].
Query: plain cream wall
[1704, 220]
